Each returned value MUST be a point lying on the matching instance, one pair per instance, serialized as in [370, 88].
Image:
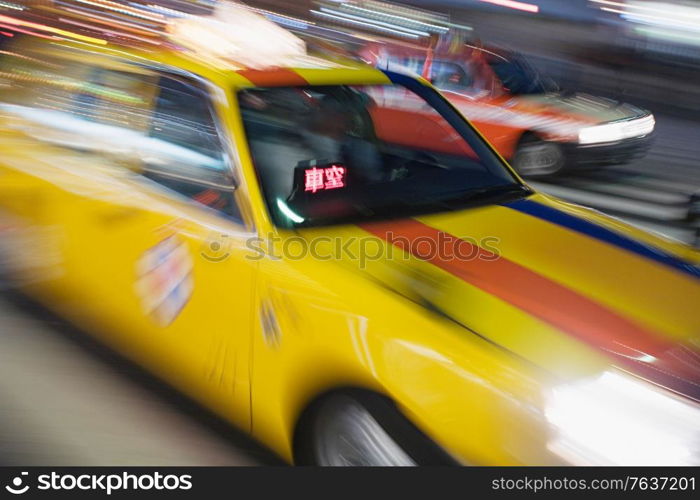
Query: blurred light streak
[675, 22]
[629, 5]
[108, 19]
[277, 14]
[675, 36]
[168, 11]
[112, 32]
[369, 25]
[375, 22]
[287, 22]
[275, 17]
[49, 29]
[11, 6]
[399, 18]
[6, 33]
[411, 12]
[664, 13]
[110, 22]
[27, 32]
[512, 4]
[123, 9]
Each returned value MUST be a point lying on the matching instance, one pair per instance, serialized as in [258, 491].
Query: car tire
[359, 428]
[535, 157]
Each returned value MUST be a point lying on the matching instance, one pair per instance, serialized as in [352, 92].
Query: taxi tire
[529, 148]
[376, 424]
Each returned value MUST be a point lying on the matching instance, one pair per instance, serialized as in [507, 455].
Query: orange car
[538, 128]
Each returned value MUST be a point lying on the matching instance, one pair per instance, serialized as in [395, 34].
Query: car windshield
[339, 154]
[519, 76]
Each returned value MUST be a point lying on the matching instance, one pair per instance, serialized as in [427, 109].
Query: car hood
[586, 108]
[551, 282]
[556, 115]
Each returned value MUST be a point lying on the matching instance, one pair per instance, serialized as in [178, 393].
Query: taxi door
[160, 240]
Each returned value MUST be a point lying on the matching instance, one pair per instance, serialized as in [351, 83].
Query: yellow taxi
[351, 278]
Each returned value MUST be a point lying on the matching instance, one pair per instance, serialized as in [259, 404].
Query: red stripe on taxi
[669, 364]
[273, 77]
[525, 289]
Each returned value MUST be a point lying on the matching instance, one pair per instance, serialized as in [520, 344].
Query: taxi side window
[160, 125]
[113, 98]
[182, 116]
[79, 105]
[450, 75]
[189, 158]
[414, 64]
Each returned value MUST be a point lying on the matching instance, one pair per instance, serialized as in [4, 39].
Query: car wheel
[537, 157]
[365, 429]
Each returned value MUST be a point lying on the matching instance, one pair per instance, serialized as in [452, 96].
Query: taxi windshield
[341, 154]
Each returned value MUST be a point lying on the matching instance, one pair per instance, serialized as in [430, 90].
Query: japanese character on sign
[320, 179]
[335, 177]
[313, 180]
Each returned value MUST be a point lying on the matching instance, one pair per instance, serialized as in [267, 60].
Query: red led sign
[325, 178]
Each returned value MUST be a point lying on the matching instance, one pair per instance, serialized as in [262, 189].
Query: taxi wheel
[537, 157]
[358, 428]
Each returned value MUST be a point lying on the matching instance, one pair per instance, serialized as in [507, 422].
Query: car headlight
[616, 419]
[617, 131]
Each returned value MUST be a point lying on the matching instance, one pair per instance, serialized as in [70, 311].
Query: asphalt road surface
[66, 401]
[659, 192]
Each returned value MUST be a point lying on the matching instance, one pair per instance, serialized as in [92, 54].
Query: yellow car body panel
[259, 339]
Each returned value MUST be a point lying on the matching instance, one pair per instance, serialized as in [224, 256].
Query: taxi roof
[300, 70]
